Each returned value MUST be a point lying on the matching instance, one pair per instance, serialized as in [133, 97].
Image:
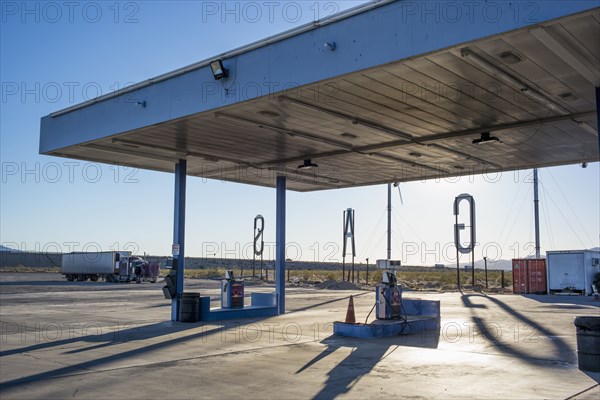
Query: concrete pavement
[95, 340]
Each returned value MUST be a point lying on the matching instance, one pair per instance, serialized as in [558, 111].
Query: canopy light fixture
[568, 96]
[518, 85]
[587, 128]
[510, 58]
[268, 113]
[218, 70]
[308, 164]
[486, 138]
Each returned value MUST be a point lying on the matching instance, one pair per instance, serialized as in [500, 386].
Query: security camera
[583, 165]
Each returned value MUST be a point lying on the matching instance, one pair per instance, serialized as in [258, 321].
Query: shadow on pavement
[141, 333]
[365, 355]
[492, 332]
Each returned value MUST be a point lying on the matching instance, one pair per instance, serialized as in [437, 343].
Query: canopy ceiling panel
[529, 93]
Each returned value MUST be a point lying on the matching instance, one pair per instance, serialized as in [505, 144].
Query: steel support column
[598, 114]
[179, 232]
[389, 222]
[280, 245]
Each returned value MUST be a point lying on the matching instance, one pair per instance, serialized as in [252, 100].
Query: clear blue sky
[55, 55]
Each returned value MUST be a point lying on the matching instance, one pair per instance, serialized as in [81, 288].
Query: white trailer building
[572, 271]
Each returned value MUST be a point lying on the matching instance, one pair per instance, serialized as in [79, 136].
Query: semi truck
[111, 266]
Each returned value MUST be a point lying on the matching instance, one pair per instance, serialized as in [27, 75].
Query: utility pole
[486, 276]
[536, 208]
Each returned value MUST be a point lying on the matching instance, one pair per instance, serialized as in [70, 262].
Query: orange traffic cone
[350, 317]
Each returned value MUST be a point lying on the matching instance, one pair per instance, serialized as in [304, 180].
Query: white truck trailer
[112, 266]
[572, 271]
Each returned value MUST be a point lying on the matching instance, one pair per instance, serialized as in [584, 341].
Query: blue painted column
[179, 232]
[280, 245]
[598, 114]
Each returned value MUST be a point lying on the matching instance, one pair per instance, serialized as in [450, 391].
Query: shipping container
[572, 271]
[529, 276]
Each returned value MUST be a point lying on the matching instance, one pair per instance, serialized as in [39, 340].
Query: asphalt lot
[96, 340]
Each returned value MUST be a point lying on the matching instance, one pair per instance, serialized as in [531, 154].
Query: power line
[509, 212]
[571, 208]
[563, 215]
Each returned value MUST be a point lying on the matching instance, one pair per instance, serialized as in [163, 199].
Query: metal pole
[486, 274]
[179, 232]
[536, 208]
[353, 244]
[280, 244]
[457, 253]
[472, 242]
[598, 113]
[473, 268]
[367, 271]
[344, 246]
[502, 279]
[389, 223]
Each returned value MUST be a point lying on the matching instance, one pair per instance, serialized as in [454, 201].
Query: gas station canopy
[377, 94]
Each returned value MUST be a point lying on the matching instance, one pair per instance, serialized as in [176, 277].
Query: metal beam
[350, 118]
[179, 232]
[466, 156]
[180, 153]
[106, 149]
[504, 127]
[430, 139]
[290, 132]
[280, 245]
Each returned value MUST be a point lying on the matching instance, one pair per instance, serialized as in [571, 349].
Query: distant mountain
[4, 249]
[505, 265]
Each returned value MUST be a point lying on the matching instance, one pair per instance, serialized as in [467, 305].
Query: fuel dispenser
[170, 289]
[232, 292]
[388, 295]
